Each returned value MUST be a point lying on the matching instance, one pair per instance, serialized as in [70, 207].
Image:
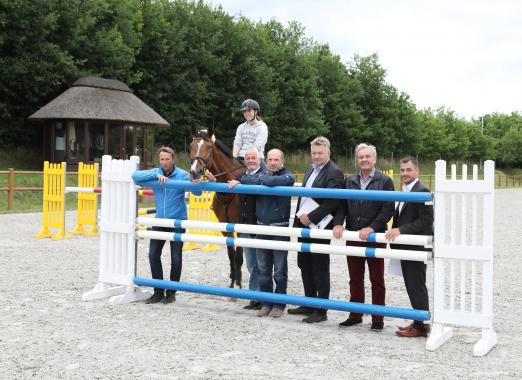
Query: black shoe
[301, 310]
[315, 317]
[253, 305]
[169, 297]
[350, 322]
[156, 297]
[377, 326]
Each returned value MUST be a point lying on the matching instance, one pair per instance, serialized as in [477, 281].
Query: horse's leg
[231, 259]
[238, 263]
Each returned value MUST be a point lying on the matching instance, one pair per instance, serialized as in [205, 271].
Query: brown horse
[209, 153]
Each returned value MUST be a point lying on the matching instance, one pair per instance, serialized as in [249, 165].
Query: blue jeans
[155, 248]
[251, 263]
[273, 261]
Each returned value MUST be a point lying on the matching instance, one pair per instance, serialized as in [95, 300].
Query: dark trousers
[155, 248]
[356, 269]
[414, 273]
[315, 272]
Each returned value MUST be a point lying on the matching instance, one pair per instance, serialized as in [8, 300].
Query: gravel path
[46, 331]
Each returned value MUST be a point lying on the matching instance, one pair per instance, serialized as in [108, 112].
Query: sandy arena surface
[47, 332]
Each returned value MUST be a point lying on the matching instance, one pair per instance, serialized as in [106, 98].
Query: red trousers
[356, 269]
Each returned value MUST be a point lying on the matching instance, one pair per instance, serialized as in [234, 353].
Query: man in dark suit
[315, 267]
[413, 219]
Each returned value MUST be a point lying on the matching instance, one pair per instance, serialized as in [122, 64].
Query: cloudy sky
[464, 55]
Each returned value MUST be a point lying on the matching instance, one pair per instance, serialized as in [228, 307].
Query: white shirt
[254, 171]
[407, 188]
[311, 179]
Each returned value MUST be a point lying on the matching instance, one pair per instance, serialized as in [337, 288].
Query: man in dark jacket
[315, 267]
[365, 217]
[272, 210]
[247, 215]
[413, 219]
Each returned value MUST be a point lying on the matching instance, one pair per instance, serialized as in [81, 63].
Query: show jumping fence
[462, 247]
[53, 210]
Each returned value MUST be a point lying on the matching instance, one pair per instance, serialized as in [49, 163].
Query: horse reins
[205, 162]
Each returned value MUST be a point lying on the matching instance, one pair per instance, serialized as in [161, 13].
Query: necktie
[401, 204]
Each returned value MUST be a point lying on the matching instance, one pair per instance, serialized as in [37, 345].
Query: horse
[209, 153]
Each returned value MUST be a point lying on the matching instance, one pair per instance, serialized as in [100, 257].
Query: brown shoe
[412, 333]
[402, 328]
[301, 310]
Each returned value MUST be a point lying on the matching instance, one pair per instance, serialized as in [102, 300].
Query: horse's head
[201, 150]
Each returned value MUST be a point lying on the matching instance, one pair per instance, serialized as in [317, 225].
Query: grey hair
[321, 141]
[362, 146]
[252, 150]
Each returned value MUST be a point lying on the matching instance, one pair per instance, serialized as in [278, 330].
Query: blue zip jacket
[170, 203]
[272, 210]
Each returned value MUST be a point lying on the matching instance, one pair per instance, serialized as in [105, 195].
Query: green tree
[390, 123]
[509, 148]
[339, 93]
[46, 45]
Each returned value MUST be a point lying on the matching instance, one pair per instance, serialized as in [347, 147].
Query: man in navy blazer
[413, 219]
[315, 267]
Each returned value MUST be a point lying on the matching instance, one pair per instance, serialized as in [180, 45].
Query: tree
[509, 148]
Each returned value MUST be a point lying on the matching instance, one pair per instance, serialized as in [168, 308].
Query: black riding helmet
[250, 104]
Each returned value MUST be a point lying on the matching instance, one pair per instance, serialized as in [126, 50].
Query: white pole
[289, 246]
[279, 231]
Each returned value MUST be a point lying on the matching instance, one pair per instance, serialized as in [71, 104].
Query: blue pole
[369, 195]
[388, 311]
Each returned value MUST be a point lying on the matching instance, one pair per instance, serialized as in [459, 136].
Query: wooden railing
[11, 187]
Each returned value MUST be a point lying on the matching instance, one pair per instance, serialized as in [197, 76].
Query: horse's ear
[194, 132]
[210, 132]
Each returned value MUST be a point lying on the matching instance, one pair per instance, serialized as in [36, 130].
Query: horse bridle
[205, 162]
[201, 159]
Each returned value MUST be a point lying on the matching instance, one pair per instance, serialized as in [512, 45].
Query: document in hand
[322, 223]
[309, 205]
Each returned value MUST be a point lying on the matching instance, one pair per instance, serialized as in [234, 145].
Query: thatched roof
[99, 99]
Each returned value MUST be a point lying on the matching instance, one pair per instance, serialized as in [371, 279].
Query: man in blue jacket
[272, 210]
[170, 204]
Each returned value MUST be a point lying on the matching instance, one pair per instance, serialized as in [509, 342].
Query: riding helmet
[250, 104]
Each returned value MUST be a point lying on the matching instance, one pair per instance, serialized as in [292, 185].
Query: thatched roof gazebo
[98, 116]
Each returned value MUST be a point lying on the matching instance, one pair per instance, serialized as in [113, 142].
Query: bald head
[275, 160]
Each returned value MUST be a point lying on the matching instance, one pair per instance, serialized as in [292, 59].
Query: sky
[463, 55]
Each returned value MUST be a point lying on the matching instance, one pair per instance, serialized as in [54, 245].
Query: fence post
[10, 192]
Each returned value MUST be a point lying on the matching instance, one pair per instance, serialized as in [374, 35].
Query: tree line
[194, 64]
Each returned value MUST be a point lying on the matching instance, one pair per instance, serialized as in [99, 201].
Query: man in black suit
[315, 267]
[413, 219]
